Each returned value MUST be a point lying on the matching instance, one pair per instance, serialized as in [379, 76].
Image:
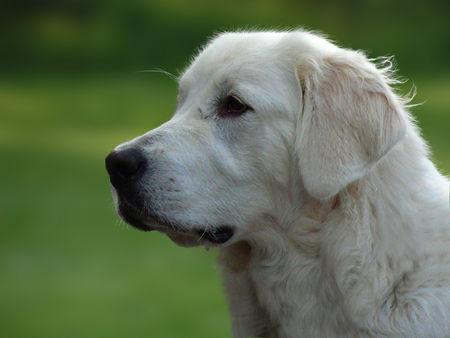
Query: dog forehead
[235, 46]
[247, 55]
[231, 54]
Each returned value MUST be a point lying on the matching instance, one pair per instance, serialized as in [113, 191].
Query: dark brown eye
[233, 107]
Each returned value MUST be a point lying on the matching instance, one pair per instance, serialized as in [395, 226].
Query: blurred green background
[69, 93]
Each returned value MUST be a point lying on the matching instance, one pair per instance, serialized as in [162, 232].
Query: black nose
[124, 166]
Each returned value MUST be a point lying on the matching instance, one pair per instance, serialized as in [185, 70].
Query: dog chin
[186, 240]
[207, 236]
[183, 235]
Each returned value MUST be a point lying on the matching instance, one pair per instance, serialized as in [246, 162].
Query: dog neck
[327, 254]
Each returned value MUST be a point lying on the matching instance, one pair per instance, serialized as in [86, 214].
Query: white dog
[299, 162]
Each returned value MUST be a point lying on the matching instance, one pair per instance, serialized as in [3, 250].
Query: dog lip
[140, 226]
[214, 235]
[134, 221]
[217, 235]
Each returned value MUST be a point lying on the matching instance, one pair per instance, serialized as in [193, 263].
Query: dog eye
[233, 107]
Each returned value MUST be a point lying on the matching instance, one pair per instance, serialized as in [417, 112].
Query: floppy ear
[351, 119]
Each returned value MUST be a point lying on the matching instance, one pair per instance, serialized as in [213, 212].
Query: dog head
[262, 119]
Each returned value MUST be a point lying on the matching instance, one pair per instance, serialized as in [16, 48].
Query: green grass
[68, 267]
[433, 117]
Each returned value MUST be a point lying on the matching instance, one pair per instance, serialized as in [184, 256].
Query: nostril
[123, 165]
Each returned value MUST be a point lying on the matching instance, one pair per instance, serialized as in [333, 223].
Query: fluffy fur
[342, 221]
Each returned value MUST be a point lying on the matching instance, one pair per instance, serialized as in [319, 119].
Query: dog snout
[125, 166]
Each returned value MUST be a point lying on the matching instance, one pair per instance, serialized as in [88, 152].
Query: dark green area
[69, 94]
[99, 35]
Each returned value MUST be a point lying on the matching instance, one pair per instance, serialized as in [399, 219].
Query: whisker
[160, 71]
[204, 232]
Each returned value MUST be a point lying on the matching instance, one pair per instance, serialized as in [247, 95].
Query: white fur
[342, 220]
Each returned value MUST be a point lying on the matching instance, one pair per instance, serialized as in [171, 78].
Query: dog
[300, 163]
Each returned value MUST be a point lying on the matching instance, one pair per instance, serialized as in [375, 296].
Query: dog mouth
[130, 218]
[207, 236]
[180, 234]
[217, 235]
